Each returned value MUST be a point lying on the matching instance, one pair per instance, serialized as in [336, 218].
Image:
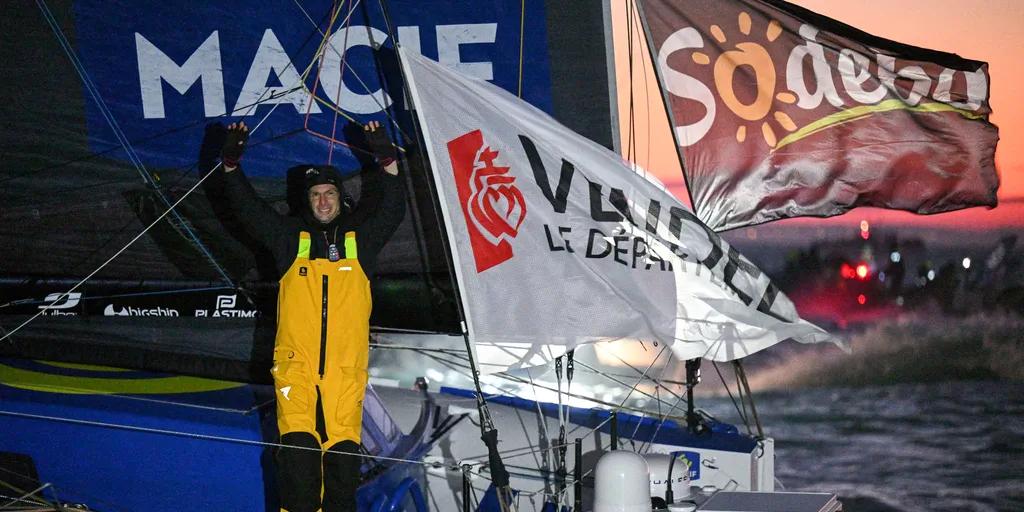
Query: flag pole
[488, 433]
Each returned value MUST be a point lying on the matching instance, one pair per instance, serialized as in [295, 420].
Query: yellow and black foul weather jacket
[323, 309]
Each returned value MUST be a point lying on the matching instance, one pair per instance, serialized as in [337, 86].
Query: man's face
[325, 202]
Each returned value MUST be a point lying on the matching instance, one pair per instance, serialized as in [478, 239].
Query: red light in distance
[846, 271]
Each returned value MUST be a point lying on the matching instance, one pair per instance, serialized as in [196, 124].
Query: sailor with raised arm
[325, 260]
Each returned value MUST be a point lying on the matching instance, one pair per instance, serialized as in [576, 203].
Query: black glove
[380, 146]
[234, 145]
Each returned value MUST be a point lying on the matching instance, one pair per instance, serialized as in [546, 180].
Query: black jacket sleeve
[383, 215]
[261, 221]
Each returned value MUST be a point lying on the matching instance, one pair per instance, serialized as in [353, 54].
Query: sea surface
[951, 446]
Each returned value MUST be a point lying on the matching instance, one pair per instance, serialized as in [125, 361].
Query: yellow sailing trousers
[322, 346]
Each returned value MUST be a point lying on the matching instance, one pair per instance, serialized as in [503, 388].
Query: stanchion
[577, 505]
[615, 430]
[466, 506]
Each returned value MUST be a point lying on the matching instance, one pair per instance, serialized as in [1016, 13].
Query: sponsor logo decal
[226, 301]
[226, 307]
[56, 304]
[493, 206]
[112, 310]
[780, 89]
[302, 271]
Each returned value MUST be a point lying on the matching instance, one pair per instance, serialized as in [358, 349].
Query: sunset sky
[990, 31]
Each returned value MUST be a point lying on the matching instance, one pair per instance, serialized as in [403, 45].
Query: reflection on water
[926, 447]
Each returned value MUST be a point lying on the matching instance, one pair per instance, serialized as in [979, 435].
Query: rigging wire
[150, 138]
[107, 262]
[281, 92]
[647, 93]
[458, 368]
[29, 497]
[344, 61]
[133, 240]
[742, 416]
[346, 66]
[321, 57]
[560, 462]
[171, 207]
[742, 376]
[660, 352]
[623, 384]
[546, 436]
[646, 445]
[522, 40]
[630, 150]
[122, 138]
[487, 430]
[197, 436]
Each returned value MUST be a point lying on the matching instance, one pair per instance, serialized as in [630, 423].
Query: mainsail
[106, 112]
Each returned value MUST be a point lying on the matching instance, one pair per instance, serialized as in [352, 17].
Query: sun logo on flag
[753, 55]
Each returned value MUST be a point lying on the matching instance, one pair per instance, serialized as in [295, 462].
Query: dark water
[908, 447]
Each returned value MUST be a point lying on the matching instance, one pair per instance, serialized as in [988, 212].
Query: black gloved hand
[379, 144]
[234, 144]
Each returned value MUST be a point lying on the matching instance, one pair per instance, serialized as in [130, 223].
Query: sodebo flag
[781, 112]
[558, 242]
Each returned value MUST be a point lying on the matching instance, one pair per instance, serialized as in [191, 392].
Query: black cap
[322, 175]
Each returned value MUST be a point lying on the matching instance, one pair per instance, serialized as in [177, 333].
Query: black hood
[311, 175]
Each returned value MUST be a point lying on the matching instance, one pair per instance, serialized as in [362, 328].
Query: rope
[646, 446]
[344, 61]
[31, 302]
[116, 254]
[75, 390]
[644, 374]
[522, 38]
[628, 151]
[417, 349]
[149, 138]
[742, 374]
[121, 137]
[623, 384]
[545, 457]
[345, 66]
[209, 437]
[512, 378]
[170, 209]
[742, 416]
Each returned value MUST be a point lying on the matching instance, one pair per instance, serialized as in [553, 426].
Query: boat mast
[488, 433]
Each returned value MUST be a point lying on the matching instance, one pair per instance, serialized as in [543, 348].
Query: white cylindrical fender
[622, 483]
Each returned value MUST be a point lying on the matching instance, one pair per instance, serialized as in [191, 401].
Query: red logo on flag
[494, 208]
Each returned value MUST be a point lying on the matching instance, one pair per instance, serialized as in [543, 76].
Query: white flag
[557, 242]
